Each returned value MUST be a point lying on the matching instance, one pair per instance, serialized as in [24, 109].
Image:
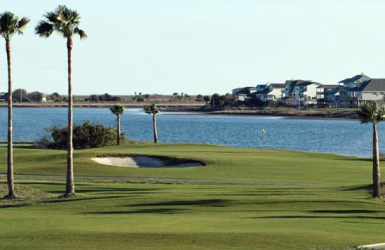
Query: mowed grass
[125, 214]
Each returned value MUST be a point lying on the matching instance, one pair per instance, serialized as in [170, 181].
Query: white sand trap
[144, 162]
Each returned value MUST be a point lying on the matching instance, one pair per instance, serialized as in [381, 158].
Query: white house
[306, 92]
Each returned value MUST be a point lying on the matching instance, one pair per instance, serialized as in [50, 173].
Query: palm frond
[371, 112]
[152, 109]
[62, 20]
[82, 34]
[10, 24]
[44, 29]
[22, 24]
[117, 109]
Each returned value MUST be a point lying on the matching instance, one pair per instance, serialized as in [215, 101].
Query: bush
[85, 135]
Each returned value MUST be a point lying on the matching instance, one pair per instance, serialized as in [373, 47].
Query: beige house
[370, 90]
[269, 91]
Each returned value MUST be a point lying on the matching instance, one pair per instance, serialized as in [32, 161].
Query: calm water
[334, 136]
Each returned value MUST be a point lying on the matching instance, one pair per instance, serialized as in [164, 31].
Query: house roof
[329, 86]
[360, 78]
[278, 85]
[293, 83]
[371, 85]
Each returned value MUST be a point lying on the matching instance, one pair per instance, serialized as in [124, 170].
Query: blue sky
[199, 47]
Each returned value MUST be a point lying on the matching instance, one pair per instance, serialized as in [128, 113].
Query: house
[290, 87]
[349, 97]
[2, 96]
[269, 91]
[369, 90]
[241, 94]
[332, 97]
[306, 92]
[323, 90]
[303, 91]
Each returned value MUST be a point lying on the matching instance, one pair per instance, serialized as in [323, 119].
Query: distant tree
[153, 110]
[175, 95]
[199, 98]
[94, 98]
[373, 113]
[206, 98]
[65, 22]
[9, 26]
[118, 110]
[140, 99]
[54, 96]
[105, 97]
[215, 100]
[19, 94]
[147, 96]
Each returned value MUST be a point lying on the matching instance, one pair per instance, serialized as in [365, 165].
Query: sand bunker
[146, 162]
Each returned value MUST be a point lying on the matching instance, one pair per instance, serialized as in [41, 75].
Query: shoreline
[199, 109]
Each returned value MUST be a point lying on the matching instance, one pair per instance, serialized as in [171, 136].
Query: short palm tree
[9, 26]
[153, 110]
[118, 110]
[65, 22]
[373, 113]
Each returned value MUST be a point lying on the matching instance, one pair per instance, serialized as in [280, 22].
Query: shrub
[85, 135]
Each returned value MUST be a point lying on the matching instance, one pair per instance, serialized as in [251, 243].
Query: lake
[345, 137]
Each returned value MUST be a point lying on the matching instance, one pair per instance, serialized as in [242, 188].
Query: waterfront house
[241, 94]
[370, 90]
[306, 92]
[269, 91]
[328, 94]
[350, 94]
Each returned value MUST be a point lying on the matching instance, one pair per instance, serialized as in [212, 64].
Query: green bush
[85, 135]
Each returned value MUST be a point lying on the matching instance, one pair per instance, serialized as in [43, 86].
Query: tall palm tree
[66, 22]
[9, 26]
[153, 110]
[118, 110]
[372, 113]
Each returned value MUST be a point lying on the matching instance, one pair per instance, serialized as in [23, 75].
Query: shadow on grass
[144, 211]
[209, 203]
[364, 187]
[318, 217]
[74, 199]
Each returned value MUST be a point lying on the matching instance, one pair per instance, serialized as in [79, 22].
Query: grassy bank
[126, 214]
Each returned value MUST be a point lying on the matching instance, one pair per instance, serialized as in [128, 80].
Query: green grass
[124, 214]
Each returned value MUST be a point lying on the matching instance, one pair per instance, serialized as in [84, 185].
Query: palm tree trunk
[70, 185]
[11, 184]
[118, 120]
[376, 165]
[155, 131]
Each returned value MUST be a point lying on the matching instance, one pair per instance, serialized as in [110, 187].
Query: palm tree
[9, 26]
[65, 22]
[372, 113]
[153, 110]
[117, 110]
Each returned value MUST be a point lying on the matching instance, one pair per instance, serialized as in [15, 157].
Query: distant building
[306, 92]
[303, 91]
[349, 97]
[2, 96]
[269, 91]
[241, 94]
[323, 89]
